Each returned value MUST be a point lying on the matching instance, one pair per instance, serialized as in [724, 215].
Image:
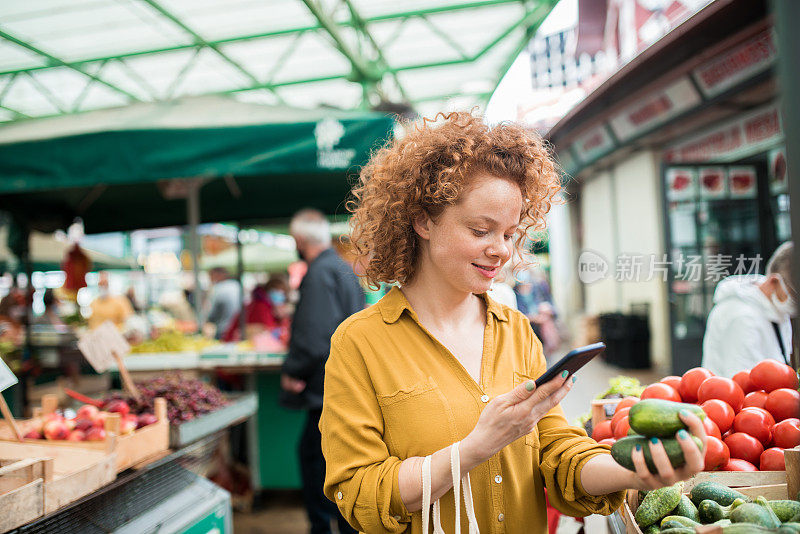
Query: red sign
[737, 64]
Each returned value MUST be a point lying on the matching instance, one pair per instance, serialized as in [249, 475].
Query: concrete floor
[283, 513]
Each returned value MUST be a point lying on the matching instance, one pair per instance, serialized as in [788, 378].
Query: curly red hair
[426, 171]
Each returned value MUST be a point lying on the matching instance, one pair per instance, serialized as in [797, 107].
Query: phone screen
[573, 361]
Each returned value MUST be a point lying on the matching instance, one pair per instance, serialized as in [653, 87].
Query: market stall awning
[256, 257]
[131, 167]
[65, 56]
[47, 253]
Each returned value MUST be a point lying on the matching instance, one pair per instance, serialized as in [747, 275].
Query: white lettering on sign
[100, 345]
[655, 109]
[7, 377]
[754, 132]
[736, 65]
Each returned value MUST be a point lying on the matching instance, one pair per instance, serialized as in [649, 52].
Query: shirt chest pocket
[418, 419]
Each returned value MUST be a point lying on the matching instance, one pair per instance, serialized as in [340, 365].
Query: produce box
[129, 447]
[65, 474]
[603, 409]
[769, 484]
[240, 408]
[21, 491]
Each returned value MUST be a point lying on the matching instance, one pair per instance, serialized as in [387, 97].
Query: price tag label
[100, 344]
[7, 377]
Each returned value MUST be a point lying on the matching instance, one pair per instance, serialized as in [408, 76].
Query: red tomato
[607, 441]
[717, 454]
[786, 434]
[602, 431]
[711, 428]
[743, 379]
[690, 383]
[754, 421]
[660, 391]
[783, 404]
[737, 464]
[720, 412]
[755, 398]
[745, 447]
[627, 402]
[770, 375]
[772, 460]
[719, 387]
[621, 430]
[617, 416]
[672, 381]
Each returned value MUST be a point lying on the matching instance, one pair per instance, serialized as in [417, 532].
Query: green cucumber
[660, 418]
[678, 521]
[716, 492]
[678, 530]
[762, 501]
[751, 512]
[711, 511]
[621, 451]
[785, 509]
[652, 529]
[686, 508]
[794, 527]
[747, 528]
[657, 504]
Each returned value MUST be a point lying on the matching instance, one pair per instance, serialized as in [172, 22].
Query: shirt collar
[394, 303]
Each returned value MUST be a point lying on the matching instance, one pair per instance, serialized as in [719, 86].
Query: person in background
[329, 294]
[265, 311]
[50, 315]
[750, 320]
[109, 307]
[225, 302]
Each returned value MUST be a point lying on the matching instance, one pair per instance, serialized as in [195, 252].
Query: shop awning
[130, 167]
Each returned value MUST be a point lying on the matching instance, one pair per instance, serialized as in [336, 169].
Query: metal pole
[787, 13]
[193, 216]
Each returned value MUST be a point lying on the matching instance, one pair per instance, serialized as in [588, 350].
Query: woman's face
[471, 240]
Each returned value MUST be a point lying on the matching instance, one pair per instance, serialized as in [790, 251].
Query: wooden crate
[770, 484]
[603, 409]
[128, 449]
[67, 473]
[21, 491]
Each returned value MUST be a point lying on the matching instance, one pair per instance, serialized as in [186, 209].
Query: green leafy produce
[622, 386]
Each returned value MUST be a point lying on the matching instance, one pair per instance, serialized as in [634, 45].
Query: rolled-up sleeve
[361, 477]
[564, 450]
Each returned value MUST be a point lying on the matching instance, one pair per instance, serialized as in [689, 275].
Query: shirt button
[501, 517]
[484, 398]
[498, 479]
[339, 495]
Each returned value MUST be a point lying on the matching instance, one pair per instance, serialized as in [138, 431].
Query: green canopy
[127, 168]
[256, 257]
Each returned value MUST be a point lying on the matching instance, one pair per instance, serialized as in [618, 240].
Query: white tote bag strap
[455, 469]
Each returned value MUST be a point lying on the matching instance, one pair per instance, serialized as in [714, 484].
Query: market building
[676, 177]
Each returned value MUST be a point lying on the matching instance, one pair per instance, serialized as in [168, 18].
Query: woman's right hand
[512, 415]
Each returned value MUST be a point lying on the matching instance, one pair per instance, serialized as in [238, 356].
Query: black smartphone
[573, 361]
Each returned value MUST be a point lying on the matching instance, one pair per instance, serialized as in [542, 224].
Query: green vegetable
[686, 508]
[678, 530]
[751, 512]
[623, 448]
[716, 492]
[652, 529]
[711, 511]
[748, 528]
[762, 501]
[791, 526]
[660, 418]
[785, 509]
[678, 521]
[624, 386]
[657, 504]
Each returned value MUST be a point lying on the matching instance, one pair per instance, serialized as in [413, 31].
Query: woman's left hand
[668, 475]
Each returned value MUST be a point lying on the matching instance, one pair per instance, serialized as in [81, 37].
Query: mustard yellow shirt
[392, 392]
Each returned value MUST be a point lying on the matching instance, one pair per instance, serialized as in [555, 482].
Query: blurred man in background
[329, 293]
[225, 302]
[109, 307]
[750, 320]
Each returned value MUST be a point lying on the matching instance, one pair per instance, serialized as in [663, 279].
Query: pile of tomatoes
[751, 419]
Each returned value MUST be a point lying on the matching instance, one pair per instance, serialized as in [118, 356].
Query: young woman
[436, 369]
